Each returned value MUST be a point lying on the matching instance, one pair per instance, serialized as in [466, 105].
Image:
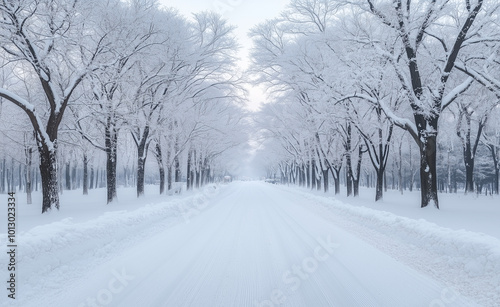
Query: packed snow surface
[249, 244]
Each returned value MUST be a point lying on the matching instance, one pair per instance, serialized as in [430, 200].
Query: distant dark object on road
[273, 181]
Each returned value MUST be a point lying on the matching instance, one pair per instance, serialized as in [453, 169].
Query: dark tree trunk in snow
[204, 172]
[177, 165]
[96, 178]
[91, 184]
[73, 177]
[379, 185]
[195, 177]
[325, 180]
[469, 171]
[68, 176]
[198, 172]
[3, 175]
[355, 178]
[428, 171]
[161, 168]
[188, 171]
[379, 153]
[400, 169]
[20, 177]
[48, 173]
[85, 174]
[312, 167]
[111, 140]
[493, 150]
[336, 178]
[308, 174]
[469, 149]
[29, 155]
[348, 161]
[142, 151]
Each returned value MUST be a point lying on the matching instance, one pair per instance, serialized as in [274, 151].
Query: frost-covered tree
[423, 41]
[52, 45]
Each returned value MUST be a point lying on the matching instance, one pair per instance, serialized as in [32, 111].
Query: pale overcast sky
[242, 13]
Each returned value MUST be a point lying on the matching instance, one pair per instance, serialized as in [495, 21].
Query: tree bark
[325, 180]
[188, 171]
[336, 177]
[428, 170]
[469, 149]
[111, 142]
[177, 165]
[85, 174]
[348, 159]
[29, 153]
[379, 185]
[74, 184]
[400, 169]
[169, 171]
[20, 177]
[312, 166]
[68, 176]
[356, 178]
[91, 184]
[142, 152]
[48, 173]
[161, 168]
[3, 175]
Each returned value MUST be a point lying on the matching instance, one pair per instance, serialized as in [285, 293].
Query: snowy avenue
[250, 153]
[244, 244]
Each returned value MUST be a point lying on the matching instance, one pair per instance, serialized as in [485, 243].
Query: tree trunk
[9, 181]
[20, 173]
[68, 176]
[304, 175]
[379, 186]
[96, 185]
[336, 178]
[48, 174]
[325, 180]
[73, 177]
[356, 178]
[495, 180]
[312, 167]
[204, 171]
[142, 153]
[91, 184]
[188, 171]
[169, 170]
[29, 152]
[385, 180]
[161, 168]
[469, 150]
[308, 174]
[400, 170]
[111, 140]
[85, 174]
[428, 171]
[198, 172]
[2, 183]
[177, 165]
[469, 171]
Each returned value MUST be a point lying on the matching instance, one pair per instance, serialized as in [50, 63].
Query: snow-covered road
[254, 245]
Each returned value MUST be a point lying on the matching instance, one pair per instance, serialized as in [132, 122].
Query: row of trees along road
[344, 76]
[85, 73]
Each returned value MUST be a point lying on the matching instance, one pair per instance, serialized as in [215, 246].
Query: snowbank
[466, 256]
[47, 247]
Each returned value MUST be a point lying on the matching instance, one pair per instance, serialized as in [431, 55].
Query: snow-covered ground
[256, 244]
